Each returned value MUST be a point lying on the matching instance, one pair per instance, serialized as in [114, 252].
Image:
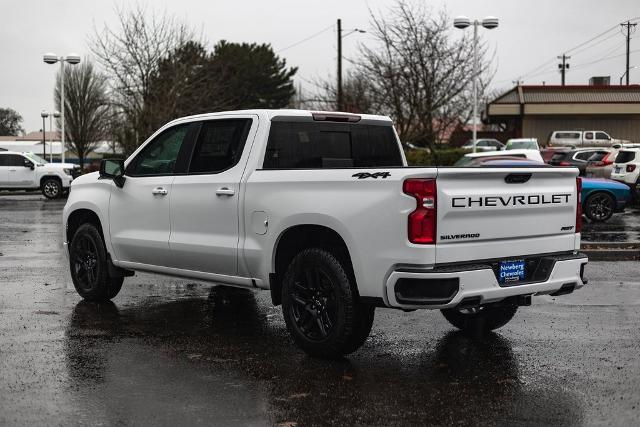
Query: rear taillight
[631, 168]
[422, 221]
[579, 206]
[607, 160]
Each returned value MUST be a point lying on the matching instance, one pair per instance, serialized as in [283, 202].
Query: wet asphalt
[171, 352]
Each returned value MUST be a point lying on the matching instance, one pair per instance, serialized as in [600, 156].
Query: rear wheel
[89, 268]
[599, 207]
[320, 305]
[480, 319]
[51, 188]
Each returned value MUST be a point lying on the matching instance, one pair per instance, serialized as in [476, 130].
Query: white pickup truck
[27, 171]
[322, 209]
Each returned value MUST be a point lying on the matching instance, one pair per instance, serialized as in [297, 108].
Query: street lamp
[52, 58]
[462, 22]
[55, 114]
[625, 73]
[340, 37]
[44, 115]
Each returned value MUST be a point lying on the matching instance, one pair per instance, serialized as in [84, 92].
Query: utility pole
[631, 28]
[339, 88]
[564, 66]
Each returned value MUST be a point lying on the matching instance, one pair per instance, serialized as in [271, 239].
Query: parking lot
[168, 351]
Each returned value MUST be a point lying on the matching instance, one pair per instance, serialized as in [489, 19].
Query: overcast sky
[531, 33]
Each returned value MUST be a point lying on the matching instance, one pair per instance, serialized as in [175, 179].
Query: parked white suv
[26, 171]
[321, 209]
[626, 167]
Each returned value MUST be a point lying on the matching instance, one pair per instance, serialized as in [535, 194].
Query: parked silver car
[484, 144]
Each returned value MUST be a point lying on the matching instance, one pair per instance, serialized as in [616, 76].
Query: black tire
[321, 307]
[89, 268]
[51, 188]
[599, 207]
[481, 319]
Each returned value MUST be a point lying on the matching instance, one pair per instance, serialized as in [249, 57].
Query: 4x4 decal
[376, 175]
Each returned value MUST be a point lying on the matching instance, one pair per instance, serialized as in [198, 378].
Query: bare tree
[356, 94]
[415, 72]
[131, 55]
[86, 107]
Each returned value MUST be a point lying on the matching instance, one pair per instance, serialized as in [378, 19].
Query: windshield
[514, 145]
[35, 159]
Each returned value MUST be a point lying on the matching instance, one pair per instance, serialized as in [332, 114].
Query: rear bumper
[448, 286]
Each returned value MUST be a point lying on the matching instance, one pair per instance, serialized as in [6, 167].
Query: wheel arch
[297, 238]
[45, 177]
[82, 216]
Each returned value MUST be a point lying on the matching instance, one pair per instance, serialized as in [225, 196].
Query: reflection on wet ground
[227, 338]
[621, 228]
[177, 353]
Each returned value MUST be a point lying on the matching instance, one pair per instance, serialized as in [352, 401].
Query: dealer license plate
[511, 272]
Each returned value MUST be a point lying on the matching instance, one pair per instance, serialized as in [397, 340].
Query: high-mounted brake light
[422, 221]
[579, 205]
[335, 117]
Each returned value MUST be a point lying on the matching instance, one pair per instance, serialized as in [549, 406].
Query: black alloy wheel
[314, 303]
[599, 207]
[89, 266]
[321, 306]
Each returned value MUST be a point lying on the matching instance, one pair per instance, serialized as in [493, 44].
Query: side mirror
[113, 169]
[29, 164]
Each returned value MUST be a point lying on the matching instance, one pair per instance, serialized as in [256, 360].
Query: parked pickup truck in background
[26, 171]
[321, 209]
[582, 138]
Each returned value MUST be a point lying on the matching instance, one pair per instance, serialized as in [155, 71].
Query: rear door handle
[159, 191]
[225, 191]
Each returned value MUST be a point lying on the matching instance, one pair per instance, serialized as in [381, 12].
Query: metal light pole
[339, 71]
[462, 22]
[52, 58]
[55, 114]
[44, 115]
[626, 73]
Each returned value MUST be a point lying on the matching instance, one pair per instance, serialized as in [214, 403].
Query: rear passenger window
[588, 135]
[312, 145]
[219, 146]
[567, 135]
[3, 160]
[584, 155]
[625, 156]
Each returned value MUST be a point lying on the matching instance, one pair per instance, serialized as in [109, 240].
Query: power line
[581, 47]
[305, 39]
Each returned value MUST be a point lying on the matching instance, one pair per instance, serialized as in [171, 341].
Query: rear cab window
[295, 144]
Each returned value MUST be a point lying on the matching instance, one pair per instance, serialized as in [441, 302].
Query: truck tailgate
[489, 213]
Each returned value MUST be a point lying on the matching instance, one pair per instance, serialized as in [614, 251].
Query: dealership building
[536, 111]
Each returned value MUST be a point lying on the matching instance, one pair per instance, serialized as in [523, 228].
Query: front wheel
[599, 207]
[89, 268]
[480, 319]
[321, 307]
[51, 188]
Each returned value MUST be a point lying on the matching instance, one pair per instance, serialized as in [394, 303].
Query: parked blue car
[601, 198]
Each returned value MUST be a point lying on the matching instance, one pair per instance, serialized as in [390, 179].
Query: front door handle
[225, 191]
[159, 191]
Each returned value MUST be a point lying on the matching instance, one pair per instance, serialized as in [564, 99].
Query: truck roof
[270, 114]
